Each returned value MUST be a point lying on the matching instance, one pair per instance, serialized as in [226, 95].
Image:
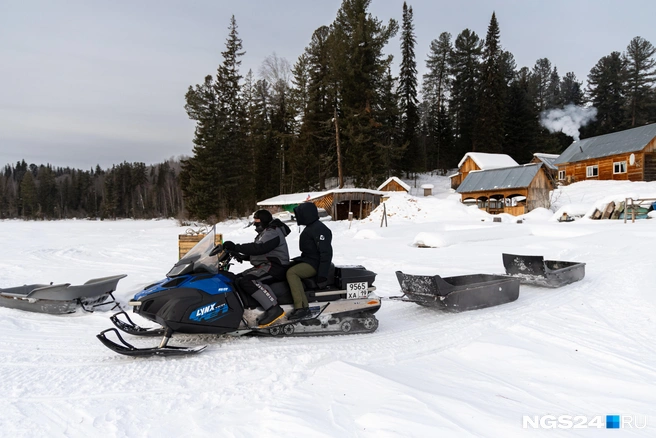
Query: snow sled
[537, 271]
[457, 294]
[200, 296]
[56, 299]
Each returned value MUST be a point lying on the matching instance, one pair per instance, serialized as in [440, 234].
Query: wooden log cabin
[515, 190]
[479, 161]
[394, 184]
[624, 155]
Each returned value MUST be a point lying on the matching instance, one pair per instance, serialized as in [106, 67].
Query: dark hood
[276, 223]
[306, 213]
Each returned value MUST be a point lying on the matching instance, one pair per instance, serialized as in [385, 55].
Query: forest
[338, 115]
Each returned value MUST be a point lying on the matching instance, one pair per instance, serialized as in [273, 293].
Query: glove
[322, 282]
[229, 245]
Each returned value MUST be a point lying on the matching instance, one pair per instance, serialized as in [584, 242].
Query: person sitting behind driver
[316, 256]
[269, 256]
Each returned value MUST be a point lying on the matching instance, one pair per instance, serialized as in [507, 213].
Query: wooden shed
[624, 155]
[394, 184]
[515, 190]
[339, 202]
[479, 161]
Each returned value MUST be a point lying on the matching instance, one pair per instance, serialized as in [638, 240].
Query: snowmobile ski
[133, 329]
[128, 349]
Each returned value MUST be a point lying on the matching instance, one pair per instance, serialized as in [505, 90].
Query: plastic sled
[460, 293]
[535, 270]
[61, 298]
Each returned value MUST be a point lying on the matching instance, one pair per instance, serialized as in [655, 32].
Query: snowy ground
[585, 349]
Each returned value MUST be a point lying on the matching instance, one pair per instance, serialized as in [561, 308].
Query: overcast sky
[86, 82]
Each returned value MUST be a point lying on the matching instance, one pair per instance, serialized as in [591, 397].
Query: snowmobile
[200, 296]
[57, 299]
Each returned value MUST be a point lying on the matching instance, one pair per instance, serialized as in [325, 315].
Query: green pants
[294, 275]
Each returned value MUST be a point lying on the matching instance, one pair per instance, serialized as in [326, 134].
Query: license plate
[356, 290]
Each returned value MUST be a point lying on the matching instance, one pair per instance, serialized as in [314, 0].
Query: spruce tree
[489, 132]
[465, 65]
[414, 159]
[358, 67]
[435, 89]
[571, 90]
[640, 78]
[607, 93]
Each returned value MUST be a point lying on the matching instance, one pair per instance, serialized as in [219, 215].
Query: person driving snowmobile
[316, 256]
[269, 256]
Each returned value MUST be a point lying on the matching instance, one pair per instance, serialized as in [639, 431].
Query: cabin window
[561, 175]
[619, 167]
[592, 171]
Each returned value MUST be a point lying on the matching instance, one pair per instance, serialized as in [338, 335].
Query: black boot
[301, 313]
[271, 315]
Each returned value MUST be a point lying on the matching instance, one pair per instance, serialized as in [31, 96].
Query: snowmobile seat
[311, 283]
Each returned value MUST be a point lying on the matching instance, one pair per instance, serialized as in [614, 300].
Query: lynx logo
[209, 312]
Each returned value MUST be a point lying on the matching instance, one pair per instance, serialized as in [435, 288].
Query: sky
[583, 349]
[85, 83]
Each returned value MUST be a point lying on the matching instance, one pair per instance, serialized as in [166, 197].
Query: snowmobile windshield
[198, 259]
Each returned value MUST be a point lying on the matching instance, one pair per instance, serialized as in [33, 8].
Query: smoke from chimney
[568, 120]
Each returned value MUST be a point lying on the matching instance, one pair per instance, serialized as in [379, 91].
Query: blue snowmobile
[200, 296]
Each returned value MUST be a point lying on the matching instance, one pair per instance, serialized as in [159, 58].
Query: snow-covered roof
[489, 161]
[398, 181]
[297, 198]
[547, 159]
[427, 186]
[289, 199]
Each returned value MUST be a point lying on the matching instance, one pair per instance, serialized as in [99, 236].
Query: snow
[489, 161]
[583, 349]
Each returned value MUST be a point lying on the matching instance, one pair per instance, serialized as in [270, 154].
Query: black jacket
[315, 241]
[270, 246]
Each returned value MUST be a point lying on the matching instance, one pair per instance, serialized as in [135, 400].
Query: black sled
[537, 271]
[58, 299]
[199, 296]
[457, 294]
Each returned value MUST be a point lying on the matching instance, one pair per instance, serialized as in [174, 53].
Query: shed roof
[398, 181]
[297, 198]
[547, 159]
[489, 161]
[504, 178]
[630, 140]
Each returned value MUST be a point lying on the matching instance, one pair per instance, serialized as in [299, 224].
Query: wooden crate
[188, 241]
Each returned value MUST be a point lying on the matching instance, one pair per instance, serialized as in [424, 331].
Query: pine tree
[358, 68]
[521, 122]
[435, 90]
[571, 90]
[540, 80]
[415, 157]
[216, 181]
[607, 93]
[489, 132]
[465, 65]
[641, 76]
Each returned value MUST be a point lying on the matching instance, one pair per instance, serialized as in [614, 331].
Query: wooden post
[340, 176]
